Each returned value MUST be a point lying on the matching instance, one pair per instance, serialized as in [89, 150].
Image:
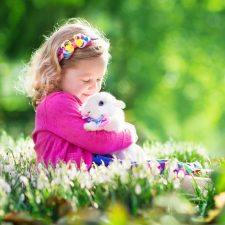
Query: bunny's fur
[106, 113]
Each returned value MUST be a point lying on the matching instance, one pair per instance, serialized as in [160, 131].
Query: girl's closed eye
[89, 80]
[86, 81]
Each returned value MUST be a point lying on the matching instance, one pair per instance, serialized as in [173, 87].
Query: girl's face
[85, 78]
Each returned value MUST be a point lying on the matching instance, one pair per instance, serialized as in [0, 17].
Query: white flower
[8, 168]
[5, 186]
[22, 197]
[172, 164]
[13, 182]
[38, 199]
[163, 181]
[154, 165]
[124, 177]
[42, 181]
[56, 181]
[1, 167]
[85, 180]
[126, 163]
[176, 183]
[180, 174]
[205, 192]
[72, 172]
[138, 189]
[33, 180]
[24, 180]
[39, 166]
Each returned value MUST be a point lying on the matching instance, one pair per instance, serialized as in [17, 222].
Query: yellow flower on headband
[68, 46]
[79, 42]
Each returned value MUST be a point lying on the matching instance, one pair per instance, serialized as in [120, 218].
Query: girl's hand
[91, 126]
[133, 132]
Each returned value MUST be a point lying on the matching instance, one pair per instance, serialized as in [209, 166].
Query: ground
[112, 195]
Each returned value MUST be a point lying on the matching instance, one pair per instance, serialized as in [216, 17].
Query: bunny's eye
[101, 103]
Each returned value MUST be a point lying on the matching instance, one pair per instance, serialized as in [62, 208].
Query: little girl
[62, 73]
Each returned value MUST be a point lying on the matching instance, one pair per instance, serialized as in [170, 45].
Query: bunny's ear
[120, 104]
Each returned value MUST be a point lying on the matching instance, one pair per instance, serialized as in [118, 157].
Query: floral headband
[67, 48]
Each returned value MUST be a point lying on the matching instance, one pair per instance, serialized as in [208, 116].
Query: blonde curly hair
[44, 73]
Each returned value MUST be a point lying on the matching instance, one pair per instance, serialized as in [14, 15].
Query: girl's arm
[64, 119]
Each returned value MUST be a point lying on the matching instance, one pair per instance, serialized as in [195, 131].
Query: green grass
[113, 195]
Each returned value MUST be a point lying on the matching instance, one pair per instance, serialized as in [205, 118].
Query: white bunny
[104, 112]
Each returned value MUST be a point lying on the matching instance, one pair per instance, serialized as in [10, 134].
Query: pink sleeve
[64, 119]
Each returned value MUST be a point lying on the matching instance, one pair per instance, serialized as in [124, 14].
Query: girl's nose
[94, 86]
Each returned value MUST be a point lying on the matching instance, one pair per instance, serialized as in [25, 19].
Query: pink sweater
[59, 134]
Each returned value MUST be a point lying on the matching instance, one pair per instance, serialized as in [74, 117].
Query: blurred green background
[167, 63]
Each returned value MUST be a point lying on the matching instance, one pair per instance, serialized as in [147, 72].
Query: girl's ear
[120, 104]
